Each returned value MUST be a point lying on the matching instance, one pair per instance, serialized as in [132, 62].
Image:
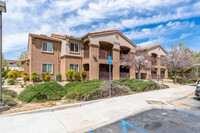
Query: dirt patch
[33, 106]
[155, 102]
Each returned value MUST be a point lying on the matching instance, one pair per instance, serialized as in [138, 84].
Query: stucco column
[132, 69]
[94, 61]
[158, 67]
[132, 73]
[116, 64]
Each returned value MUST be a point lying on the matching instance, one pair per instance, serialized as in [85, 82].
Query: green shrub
[59, 76]
[11, 81]
[24, 76]
[13, 74]
[2, 82]
[8, 100]
[137, 85]
[184, 80]
[34, 76]
[46, 77]
[77, 76]
[83, 75]
[9, 92]
[47, 91]
[5, 72]
[70, 74]
[89, 90]
[22, 85]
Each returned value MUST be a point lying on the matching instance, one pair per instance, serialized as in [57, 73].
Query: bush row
[77, 76]
[88, 90]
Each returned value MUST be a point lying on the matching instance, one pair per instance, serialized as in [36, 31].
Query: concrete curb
[178, 98]
[52, 109]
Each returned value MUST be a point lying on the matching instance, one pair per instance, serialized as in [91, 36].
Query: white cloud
[77, 17]
[161, 30]
[15, 42]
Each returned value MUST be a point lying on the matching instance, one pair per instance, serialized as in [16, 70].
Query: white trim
[74, 64]
[74, 47]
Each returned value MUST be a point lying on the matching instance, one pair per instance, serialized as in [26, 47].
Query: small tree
[70, 74]
[13, 74]
[23, 55]
[24, 76]
[83, 75]
[179, 57]
[139, 60]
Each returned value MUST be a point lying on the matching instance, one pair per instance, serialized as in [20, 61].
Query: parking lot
[185, 119]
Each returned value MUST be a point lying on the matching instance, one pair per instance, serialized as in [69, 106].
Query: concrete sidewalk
[87, 116]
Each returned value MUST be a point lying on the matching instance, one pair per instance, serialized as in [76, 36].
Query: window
[74, 47]
[47, 47]
[47, 68]
[74, 67]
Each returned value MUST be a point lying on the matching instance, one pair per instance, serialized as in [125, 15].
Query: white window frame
[47, 68]
[74, 67]
[74, 47]
[47, 47]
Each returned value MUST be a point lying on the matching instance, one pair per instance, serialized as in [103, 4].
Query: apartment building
[59, 53]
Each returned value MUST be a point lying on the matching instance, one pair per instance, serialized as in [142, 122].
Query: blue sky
[145, 22]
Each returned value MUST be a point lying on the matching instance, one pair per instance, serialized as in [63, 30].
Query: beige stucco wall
[38, 57]
[158, 51]
[113, 38]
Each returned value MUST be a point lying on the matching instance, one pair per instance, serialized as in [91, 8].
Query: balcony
[154, 62]
[103, 54]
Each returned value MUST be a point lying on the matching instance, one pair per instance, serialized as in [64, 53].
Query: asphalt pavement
[184, 119]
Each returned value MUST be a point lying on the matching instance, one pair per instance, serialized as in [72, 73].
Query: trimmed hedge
[137, 85]
[43, 92]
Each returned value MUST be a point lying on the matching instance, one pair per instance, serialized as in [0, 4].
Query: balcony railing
[104, 75]
[103, 54]
[154, 76]
[124, 75]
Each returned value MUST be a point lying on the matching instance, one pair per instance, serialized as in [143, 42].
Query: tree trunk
[183, 73]
[175, 81]
[138, 74]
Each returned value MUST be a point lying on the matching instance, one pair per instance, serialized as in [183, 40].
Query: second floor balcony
[154, 62]
[103, 54]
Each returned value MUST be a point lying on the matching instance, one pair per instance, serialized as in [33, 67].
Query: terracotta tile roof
[108, 32]
[148, 48]
[64, 37]
[44, 36]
